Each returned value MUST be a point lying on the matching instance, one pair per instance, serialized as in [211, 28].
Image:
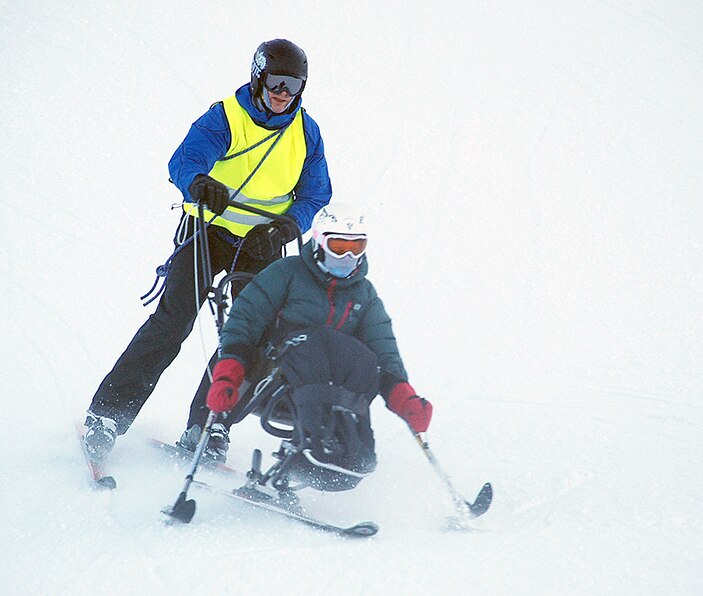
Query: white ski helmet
[338, 218]
[339, 238]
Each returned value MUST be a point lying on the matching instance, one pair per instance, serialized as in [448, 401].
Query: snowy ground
[533, 175]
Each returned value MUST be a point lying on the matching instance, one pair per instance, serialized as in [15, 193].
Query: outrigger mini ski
[466, 510]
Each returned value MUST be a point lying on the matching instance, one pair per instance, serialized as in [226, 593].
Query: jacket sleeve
[207, 141]
[376, 331]
[253, 311]
[314, 188]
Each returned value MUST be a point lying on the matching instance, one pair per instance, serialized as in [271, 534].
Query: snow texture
[533, 175]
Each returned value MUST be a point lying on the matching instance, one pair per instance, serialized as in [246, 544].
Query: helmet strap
[258, 100]
[318, 252]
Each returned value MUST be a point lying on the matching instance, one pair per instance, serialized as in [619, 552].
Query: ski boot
[217, 445]
[99, 437]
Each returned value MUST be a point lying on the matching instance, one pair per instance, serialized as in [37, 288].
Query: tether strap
[162, 270]
[279, 132]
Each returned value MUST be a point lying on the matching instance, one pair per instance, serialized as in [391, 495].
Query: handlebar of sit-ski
[286, 218]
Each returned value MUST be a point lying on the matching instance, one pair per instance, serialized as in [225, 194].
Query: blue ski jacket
[209, 139]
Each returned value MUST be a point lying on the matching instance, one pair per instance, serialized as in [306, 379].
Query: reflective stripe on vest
[237, 219]
[271, 187]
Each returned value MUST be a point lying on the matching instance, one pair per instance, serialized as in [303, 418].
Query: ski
[259, 499]
[101, 480]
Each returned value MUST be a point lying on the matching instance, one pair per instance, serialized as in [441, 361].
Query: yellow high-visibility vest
[271, 187]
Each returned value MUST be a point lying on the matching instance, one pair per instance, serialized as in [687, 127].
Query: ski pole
[463, 507]
[184, 509]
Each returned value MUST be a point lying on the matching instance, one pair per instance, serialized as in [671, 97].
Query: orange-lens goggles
[341, 245]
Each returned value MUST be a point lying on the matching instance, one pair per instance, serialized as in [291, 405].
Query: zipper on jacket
[345, 314]
[330, 299]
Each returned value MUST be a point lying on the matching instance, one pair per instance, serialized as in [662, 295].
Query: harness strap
[162, 270]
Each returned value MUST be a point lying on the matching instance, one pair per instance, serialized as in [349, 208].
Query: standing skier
[257, 147]
[330, 335]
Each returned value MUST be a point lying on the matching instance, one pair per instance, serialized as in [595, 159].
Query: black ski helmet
[278, 56]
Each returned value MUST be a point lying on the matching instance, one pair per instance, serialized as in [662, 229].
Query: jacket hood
[263, 118]
[324, 278]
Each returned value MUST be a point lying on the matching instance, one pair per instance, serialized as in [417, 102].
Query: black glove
[265, 241]
[209, 191]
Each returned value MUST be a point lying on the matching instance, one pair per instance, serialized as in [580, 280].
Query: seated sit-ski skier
[334, 343]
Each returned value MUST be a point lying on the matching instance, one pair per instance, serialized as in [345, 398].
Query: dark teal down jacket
[292, 294]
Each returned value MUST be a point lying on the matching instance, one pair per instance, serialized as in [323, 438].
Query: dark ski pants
[129, 384]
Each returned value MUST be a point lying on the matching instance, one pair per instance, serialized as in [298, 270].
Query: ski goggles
[279, 83]
[339, 245]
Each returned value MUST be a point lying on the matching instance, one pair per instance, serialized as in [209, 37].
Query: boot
[99, 437]
[217, 445]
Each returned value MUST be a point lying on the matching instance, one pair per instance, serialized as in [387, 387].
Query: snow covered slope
[533, 175]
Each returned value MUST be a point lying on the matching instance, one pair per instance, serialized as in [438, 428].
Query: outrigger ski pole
[466, 510]
[183, 509]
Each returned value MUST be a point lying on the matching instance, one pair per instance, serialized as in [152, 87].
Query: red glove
[223, 394]
[415, 410]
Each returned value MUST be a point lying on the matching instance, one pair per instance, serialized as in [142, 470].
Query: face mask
[339, 267]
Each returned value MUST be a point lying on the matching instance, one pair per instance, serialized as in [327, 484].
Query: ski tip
[106, 482]
[363, 529]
